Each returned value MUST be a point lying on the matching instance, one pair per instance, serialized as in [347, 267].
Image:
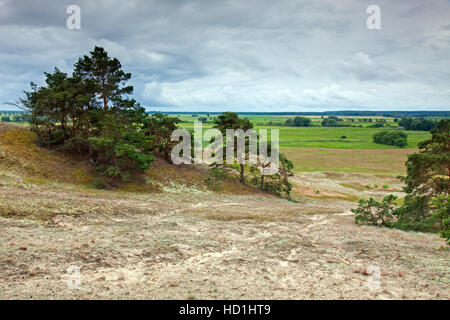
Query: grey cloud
[365, 69]
[241, 55]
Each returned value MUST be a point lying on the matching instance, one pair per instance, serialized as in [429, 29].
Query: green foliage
[231, 120]
[426, 206]
[5, 119]
[377, 125]
[441, 209]
[105, 78]
[373, 212]
[89, 113]
[214, 182]
[120, 148]
[394, 138]
[332, 121]
[278, 183]
[415, 215]
[428, 171]
[417, 124]
[160, 127]
[298, 122]
[100, 183]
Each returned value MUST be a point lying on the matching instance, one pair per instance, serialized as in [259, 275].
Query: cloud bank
[255, 55]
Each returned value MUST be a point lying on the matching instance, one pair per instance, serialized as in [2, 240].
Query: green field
[263, 120]
[318, 136]
[320, 148]
[311, 137]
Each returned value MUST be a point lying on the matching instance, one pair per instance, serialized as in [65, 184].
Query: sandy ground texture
[62, 239]
[192, 244]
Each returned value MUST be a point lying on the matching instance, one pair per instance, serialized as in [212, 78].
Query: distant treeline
[390, 114]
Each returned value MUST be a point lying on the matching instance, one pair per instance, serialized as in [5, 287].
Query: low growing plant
[373, 212]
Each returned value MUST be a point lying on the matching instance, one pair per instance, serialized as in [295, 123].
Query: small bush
[441, 209]
[372, 212]
[298, 122]
[393, 138]
[99, 183]
[213, 184]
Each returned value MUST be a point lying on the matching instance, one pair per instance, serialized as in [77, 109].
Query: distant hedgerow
[393, 138]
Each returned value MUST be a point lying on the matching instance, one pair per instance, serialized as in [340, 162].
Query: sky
[252, 55]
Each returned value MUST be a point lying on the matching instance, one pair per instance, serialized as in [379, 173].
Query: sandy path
[185, 252]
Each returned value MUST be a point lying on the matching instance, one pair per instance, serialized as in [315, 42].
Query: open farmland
[175, 239]
[343, 149]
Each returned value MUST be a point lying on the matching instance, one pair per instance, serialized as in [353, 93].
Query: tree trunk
[262, 182]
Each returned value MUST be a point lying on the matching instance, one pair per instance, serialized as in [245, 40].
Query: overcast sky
[242, 55]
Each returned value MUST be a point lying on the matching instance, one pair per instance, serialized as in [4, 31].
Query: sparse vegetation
[375, 213]
[441, 209]
[275, 183]
[427, 186]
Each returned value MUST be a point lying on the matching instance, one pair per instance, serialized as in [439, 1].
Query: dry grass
[189, 176]
[386, 161]
[19, 152]
[259, 209]
[191, 242]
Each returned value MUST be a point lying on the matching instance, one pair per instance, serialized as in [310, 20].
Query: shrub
[120, 149]
[441, 208]
[393, 138]
[426, 206]
[298, 122]
[418, 124]
[278, 183]
[332, 121]
[99, 183]
[372, 212]
[213, 184]
[160, 127]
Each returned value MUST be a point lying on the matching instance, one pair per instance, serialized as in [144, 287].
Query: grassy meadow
[341, 149]
[317, 148]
